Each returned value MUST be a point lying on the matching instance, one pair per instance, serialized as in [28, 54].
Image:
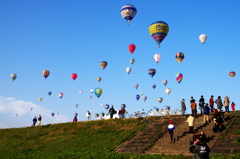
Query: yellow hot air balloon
[99, 79]
[40, 99]
[158, 30]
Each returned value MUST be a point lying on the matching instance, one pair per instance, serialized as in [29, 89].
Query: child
[233, 106]
[170, 130]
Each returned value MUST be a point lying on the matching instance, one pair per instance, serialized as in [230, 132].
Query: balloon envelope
[45, 73]
[99, 79]
[165, 82]
[52, 114]
[60, 95]
[158, 30]
[179, 77]
[154, 86]
[74, 76]
[137, 97]
[103, 64]
[98, 92]
[40, 99]
[157, 57]
[136, 85]
[106, 106]
[13, 76]
[128, 70]
[91, 90]
[49, 93]
[168, 90]
[160, 100]
[203, 38]
[151, 72]
[232, 74]
[179, 56]
[128, 12]
[76, 105]
[144, 98]
[132, 61]
[131, 48]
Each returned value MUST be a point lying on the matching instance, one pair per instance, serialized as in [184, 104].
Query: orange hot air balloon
[179, 56]
[232, 74]
[45, 73]
[131, 48]
[103, 64]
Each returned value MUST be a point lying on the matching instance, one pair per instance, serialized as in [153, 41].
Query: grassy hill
[87, 140]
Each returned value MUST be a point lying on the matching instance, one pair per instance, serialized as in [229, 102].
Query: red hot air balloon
[74, 76]
[131, 48]
[232, 74]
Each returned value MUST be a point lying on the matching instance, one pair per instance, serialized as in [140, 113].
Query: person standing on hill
[233, 106]
[200, 150]
[75, 119]
[122, 112]
[194, 110]
[211, 102]
[202, 136]
[183, 107]
[226, 104]
[34, 121]
[191, 99]
[219, 103]
[201, 104]
[111, 111]
[206, 110]
[170, 130]
[39, 120]
[190, 121]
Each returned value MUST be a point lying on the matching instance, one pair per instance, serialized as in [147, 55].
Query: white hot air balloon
[157, 57]
[128, 70]
[165, 82]
[168, 90]
[203, 38]
[91, 90]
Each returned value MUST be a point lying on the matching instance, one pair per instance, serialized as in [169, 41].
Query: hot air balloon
[168, 90]
[165, 82]
[160, 100]
[99, 79]
[16, 114]
[49, 93]
[151, 72]
[179, 77]
[158, 30]
[80, 91]
[90, 97]
[13, 76]
[203, 38]
[141, 93]
[106, 106]
[179, 56]
[144, 98]
[60, 95]
[103, 64]
[76, 105]
[154, 86]
[102, 105]
[98, 92]
[137, 97]
[157, 57]
[123, 106]
[128, 70]
[52, 114]
[91, 90]
[74, 76]
[131, 48]
[136, 85]
[132, 61]
[232, 74]
[31, 108]
[45, 73]
[128, 12]
[40, 99]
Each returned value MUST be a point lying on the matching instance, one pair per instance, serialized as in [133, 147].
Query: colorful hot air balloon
[103, 64]
[102, 105]
[203, 38]
[179, 56]
[76, 105]
[157, 57]
[106, 106]
[74, 76]
[91, 90]
[141, 93]
[136, 85]
[158, 30]
[165, 82]
[128, 12]
[52, 114]
[154, 86]
[98, 92]
[160, 100]
[151, 72]
[40, 99]
[232, 74]
[45, 73]
[13, 76]
[131, 48]
[137, 97]
[144, 98]
[132, 61]
[99, 79]
[60, 95]
[168, 90]
[179, 77]
[49, 93]
[31, 108]
[128, 70]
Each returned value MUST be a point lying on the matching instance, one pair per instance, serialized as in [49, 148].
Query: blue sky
[68, 37]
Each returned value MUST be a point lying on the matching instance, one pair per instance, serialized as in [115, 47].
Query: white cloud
[10, 107]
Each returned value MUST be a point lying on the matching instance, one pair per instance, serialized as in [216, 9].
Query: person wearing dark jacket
[183, 107]
[111, 111]
[219, 103]
[206, 110]
[211, 102]
[201, 104]
[34, 121]
[202, 136]
[200, 150]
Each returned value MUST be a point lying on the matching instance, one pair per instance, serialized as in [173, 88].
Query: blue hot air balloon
[151, 72]
[49, 93]
[128, 12]
[98, 92]
[137, 97]
[154, 86]
[106, 106]
[52, 114]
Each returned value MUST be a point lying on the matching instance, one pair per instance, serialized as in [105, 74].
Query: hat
[170, 121]
[212, 96]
